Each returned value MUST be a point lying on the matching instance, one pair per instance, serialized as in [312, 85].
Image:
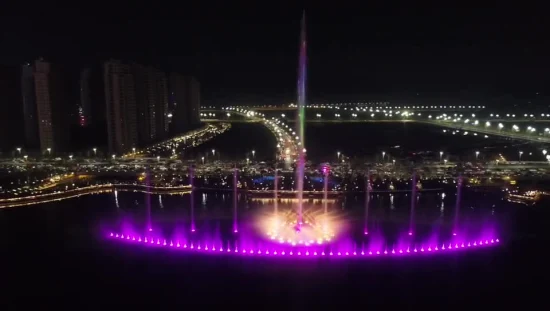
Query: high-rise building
[185, 102]
[11, 115]
[85, 106]
[54, 106]
[152, 104]
[120, 100]
[30, 121]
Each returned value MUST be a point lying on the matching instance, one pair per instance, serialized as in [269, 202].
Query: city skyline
[354, 54]
[114, 107]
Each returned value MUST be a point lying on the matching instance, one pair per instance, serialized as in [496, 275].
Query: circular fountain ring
[316, 251]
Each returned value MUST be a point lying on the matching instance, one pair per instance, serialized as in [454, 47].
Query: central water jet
[301, 119]
[235, 226]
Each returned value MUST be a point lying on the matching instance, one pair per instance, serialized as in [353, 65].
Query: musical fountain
[312, 232]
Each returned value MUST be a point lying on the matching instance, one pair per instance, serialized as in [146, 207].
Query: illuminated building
[152, 104]
[53, 105]
[120, 100]
[184, 101]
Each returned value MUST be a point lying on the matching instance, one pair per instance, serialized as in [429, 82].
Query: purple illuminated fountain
[216, 248]
[235, 225]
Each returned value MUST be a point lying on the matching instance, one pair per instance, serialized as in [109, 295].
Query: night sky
[249, 54]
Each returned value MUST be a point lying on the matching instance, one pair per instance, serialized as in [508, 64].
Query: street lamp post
[383, 154]
[49, 151]
[19, 150]
[253, 154]
[477, 155]
[338, 155]
[95, 151]
[202, 160]
[440, 155]
[520, 153]
[70, 157]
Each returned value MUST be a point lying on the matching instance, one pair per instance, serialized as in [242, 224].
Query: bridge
[487, 126]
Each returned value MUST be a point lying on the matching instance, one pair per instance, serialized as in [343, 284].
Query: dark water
[367, 140]
[57, 254]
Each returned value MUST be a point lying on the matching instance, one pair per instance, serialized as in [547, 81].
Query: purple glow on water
[276, 250]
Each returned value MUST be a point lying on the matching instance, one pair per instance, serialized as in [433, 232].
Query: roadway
[446, 124]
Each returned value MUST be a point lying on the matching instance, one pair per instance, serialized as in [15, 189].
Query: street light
[247, 161]
[114, 156]
[25, 157]
[383, 154]
[253, 154]
[202, 160]
[440, 155]
[477, 155]
[95, 151]
[213, 152]
[338, 154]
[19, 150]
[49, 151]
[520, 153]
[134, 149]
[158, 158]
[70, 157]
[544, 152]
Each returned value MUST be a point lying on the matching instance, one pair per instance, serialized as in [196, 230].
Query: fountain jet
[192, 199]
[275, 190]
[148, 199]
[235, 227]
[301, 117]
[457, 205]
[368, 188]
[413, 203]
